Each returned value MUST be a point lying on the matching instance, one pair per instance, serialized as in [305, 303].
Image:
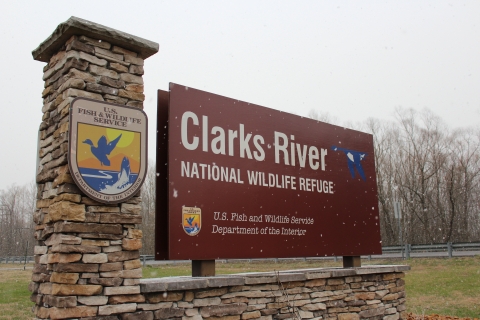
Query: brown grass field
[446, 287]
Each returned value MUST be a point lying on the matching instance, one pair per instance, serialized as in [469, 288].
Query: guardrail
[405, 249]
[449, 247]
[17, 259]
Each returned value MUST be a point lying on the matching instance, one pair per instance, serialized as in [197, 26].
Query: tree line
[17, 206]
[432, 171]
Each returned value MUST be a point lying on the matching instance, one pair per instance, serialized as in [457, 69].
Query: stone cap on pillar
[80, 27]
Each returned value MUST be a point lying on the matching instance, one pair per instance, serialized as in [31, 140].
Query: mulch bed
[411, 316]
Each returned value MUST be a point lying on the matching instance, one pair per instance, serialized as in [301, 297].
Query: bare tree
[323, 116]
[17, 205]
[148, 211]
[432, 172]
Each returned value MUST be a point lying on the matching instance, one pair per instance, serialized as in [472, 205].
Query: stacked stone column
[87, 261]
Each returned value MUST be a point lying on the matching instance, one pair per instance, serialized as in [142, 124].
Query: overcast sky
[353, 59]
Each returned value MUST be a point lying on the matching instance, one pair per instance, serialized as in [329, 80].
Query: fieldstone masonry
[87, 253]
[376, 292]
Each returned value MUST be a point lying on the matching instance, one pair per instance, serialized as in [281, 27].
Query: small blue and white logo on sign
[354, 159]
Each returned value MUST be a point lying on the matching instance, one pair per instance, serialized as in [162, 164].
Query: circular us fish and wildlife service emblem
[107, 152]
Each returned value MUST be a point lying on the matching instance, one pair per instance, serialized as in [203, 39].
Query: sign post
[352, 261]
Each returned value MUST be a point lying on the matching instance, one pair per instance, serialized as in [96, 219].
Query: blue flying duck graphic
[190, 220]
[353, 159]
[103, 149]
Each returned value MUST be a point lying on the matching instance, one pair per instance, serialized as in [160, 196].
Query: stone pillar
[87, 253]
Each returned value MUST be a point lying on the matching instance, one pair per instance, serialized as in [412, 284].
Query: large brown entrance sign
[245, 181]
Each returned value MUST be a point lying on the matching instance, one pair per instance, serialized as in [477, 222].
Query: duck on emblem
[190, 220]
[103, 149]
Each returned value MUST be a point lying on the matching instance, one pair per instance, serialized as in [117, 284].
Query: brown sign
[245, 181]
[108, 149]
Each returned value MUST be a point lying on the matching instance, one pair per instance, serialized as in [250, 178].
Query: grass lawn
[15, 301]
[434, 286]
[444, 286]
